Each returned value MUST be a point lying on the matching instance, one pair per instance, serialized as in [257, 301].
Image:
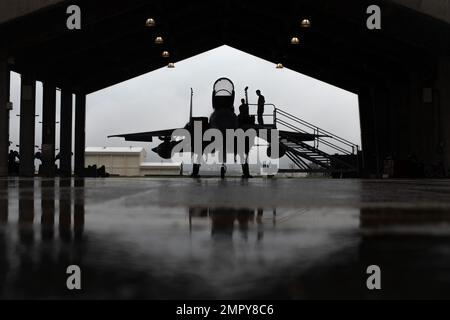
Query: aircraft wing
[299, 136]
[144, 136]
[148, 136]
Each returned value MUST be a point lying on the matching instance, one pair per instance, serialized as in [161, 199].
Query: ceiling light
[159, 40]
[171, 65]
[165, 54]
[150, 22]
[280, 66]
[295, 40]
[305, 23]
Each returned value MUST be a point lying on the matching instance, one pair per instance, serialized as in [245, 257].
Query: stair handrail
[320, 139]
[317, 130]
[267, 115]
[325, 142]
[311, 126]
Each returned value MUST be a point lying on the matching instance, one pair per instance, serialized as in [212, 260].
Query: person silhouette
[261, 102]
[13, 165]
[243, 113]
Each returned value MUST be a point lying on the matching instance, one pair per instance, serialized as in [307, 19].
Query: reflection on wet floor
[47, 209]
[382, 218]
[3, 201]
[223, 221]
[129, 246]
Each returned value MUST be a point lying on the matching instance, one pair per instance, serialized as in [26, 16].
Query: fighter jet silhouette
[223, 118]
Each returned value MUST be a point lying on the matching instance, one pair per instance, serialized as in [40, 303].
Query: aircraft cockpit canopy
[223, 87]
[223, 94]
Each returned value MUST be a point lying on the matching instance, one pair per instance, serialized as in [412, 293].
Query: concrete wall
[12, 9]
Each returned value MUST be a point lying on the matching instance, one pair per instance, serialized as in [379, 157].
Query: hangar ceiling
[439, 9]
[114, 45]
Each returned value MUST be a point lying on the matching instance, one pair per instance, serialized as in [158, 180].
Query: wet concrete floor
[211, 239]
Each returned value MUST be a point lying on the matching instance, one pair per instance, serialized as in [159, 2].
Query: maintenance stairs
[327, 153]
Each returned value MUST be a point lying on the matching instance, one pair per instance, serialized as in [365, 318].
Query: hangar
[401, 73]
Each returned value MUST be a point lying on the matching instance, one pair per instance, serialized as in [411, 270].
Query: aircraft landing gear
[195, 171]
[246, 171]
[223, 171]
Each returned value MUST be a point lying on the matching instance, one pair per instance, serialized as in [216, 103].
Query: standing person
[243, 113]
[261, 102]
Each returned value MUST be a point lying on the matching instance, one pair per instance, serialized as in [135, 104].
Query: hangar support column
[404, 119]
[80, 134]
[369, 133]
[443, 97]
[27, 125]
[380, 126]
[4, 117]
[426, 101]
[66, 134]
[401, 126]
[48, 128]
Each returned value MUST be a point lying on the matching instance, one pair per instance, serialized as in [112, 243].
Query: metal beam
[13, 9]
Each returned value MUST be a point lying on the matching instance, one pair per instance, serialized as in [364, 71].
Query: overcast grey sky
[160, 99]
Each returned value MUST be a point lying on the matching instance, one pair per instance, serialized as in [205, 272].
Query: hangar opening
[160, 99]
